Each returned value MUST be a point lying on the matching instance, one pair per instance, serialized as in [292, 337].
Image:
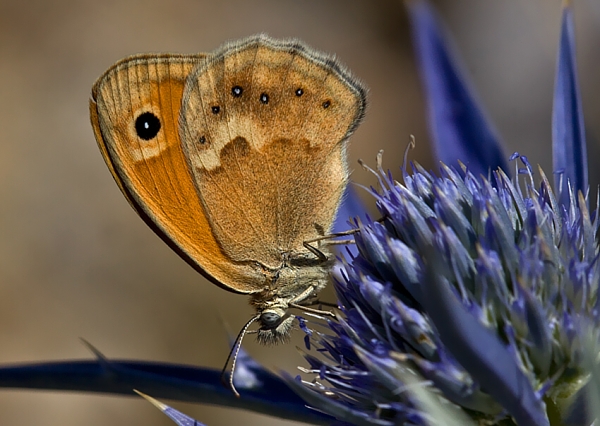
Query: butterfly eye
[270, 320]
[147, 126]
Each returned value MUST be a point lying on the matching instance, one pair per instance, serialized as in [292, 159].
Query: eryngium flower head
[481, 287]
[472, 299]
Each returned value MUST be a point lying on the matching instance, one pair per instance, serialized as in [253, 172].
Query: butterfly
[237, 160]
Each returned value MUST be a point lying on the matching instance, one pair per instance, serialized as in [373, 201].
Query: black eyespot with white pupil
[215, 109]
[236, 91]
[299, 92]
[326, 104]
[147, 126]
[264, 98]
[202, 140]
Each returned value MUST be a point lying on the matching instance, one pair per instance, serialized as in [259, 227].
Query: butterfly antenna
[233, 354]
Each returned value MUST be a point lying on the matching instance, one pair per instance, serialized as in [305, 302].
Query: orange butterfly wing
[153, 174]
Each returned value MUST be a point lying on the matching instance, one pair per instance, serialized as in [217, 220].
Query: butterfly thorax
[297, 281]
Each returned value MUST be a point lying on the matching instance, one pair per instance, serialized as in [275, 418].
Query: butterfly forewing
[151, 170]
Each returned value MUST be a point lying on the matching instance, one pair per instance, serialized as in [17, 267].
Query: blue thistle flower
[481, 291]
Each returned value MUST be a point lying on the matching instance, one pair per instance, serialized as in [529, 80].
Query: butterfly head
[275, 325]
[291, 286]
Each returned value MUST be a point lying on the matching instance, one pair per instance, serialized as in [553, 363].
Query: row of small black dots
[237, 91]
[264, 98]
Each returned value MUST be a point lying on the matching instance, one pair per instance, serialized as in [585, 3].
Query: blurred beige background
[76, 261]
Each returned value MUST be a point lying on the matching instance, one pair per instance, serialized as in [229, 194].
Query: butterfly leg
[341, 242]
[322, 257]
[319, 253]
[322, 303]
[312, 310]
[298, 301]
